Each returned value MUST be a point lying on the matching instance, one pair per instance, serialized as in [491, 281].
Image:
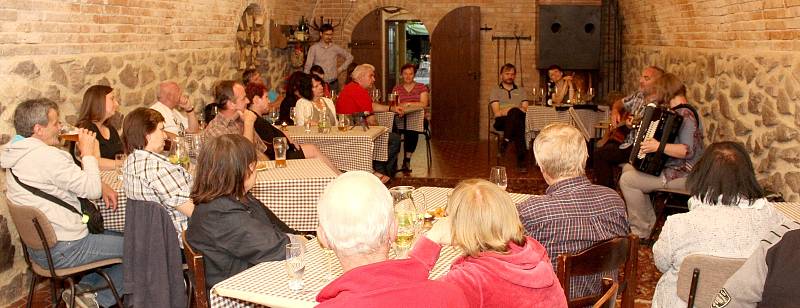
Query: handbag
[90, 214]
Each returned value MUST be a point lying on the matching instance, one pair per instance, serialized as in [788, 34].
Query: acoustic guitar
[617, 133]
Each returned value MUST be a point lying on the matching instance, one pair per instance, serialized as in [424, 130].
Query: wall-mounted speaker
[569, 36]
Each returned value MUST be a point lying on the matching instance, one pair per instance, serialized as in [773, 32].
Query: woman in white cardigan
[312, 104]
[727, 217]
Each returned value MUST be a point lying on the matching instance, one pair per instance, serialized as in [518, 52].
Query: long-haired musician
[616, 147]
[683, 153]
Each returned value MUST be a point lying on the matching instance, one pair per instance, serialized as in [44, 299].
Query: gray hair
[30, 113]
[560, 151]
[355, 212]
[361, 70]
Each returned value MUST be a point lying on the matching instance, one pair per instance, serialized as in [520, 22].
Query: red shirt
[392, 283]
[353, 98]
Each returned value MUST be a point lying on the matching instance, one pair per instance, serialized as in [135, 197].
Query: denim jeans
[93, 247]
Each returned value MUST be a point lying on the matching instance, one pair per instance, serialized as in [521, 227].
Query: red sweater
[353, 98]
[392, 283]
[521, 278]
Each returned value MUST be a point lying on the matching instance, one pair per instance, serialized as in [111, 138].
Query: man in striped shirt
[574, 214]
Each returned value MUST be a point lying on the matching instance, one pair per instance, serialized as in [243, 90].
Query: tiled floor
[453, 162]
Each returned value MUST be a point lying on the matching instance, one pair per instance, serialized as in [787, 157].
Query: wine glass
[121, 157]
[376, 95]
[295, 265]
[292, 114]
[498, 176]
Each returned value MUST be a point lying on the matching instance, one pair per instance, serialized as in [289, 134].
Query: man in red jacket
[357, 221]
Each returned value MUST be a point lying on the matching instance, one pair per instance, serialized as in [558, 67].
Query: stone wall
[739, 61]
[57, 49]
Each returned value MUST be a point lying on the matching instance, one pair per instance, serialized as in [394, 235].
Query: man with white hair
[573, 214]
[354, 99]
[357, 221]
[170, 100]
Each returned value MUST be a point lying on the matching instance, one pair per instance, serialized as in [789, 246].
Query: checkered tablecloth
[266, 283]
[350, 150]
[414, 119]
[538, 117]
[290, 192]
[790, 209]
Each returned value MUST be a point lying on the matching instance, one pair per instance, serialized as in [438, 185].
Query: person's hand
[109, 197]
[249, 117]
[616, 118]
[185, 105]
[399, 110]
[440, 232]
[87, 143]
[649, 146]
[567, 78]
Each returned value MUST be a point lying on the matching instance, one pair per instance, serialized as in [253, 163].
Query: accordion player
[658, 123]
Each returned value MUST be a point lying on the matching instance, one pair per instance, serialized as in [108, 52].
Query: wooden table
[266, 283]
[291, 193]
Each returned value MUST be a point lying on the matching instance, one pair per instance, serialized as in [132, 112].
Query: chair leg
[428, 149]
[31, 289]
[72, 289]
[189, 289]
[111, 286]
[54, 292]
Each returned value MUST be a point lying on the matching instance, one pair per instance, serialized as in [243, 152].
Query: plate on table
[261, 165]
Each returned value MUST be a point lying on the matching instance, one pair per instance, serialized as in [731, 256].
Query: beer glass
[280, 146]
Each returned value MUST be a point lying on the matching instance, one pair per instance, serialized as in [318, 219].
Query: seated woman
[148, 174]
[727, 217]
[312, 105]
[230, 227]
[259, 104]
[683, 154]
[562, 90]
[410, 94]
[99, 105]
[291, 95]
[502, 267]
[318, 71]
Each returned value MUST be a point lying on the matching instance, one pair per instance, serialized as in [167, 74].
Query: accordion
[661, 124]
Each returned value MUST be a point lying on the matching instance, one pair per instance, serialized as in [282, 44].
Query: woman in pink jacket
[501, 267]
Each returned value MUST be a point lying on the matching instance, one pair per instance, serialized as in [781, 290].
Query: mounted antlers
[322, 21]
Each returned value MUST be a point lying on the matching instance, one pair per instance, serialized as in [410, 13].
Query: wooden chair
[609, 298]
[197, 273]
[715, 272]
[36, 232]
[666, 200]
[602, 257]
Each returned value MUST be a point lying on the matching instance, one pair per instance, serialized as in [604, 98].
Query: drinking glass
[121, 157]
[333, 95]
[280, 146]
[68, 132]
[498, 176]
[342, 122]
[295, 265]
[274, 115]
[376, 95]
[292, 114]
[178, 154]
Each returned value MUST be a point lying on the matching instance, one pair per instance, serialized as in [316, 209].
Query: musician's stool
[666, 202]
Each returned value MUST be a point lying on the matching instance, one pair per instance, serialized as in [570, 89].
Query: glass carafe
[409, 215]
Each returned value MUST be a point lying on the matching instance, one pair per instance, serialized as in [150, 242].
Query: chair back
[197, 270]
[33, 226]
[603, 257]
[714, 272]
[609, 298]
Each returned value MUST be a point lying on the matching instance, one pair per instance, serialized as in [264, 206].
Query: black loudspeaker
[569, 36]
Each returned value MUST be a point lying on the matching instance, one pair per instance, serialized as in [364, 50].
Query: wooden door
[455, 76]
[365, 44]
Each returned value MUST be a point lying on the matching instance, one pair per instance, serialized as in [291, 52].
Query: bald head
[169, 93]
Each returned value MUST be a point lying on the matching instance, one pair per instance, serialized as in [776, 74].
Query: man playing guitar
[616, 150]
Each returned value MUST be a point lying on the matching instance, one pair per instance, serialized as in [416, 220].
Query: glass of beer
[342, 122]
[280, 146]
[68, 132]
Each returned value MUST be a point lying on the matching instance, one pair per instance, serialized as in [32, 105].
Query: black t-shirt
[108, 147]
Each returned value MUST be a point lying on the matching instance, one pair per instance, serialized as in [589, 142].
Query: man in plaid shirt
[234, 117]
[574, 214]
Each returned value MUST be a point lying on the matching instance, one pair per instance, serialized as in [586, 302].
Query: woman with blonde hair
[501, 266]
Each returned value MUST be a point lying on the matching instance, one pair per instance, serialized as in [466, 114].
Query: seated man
[769, 278]
[574, 214]
[170, 99]
[232, 115]
[33, 158]
[614, 152]
[509, 104]
[357, 221]
[355, 98]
